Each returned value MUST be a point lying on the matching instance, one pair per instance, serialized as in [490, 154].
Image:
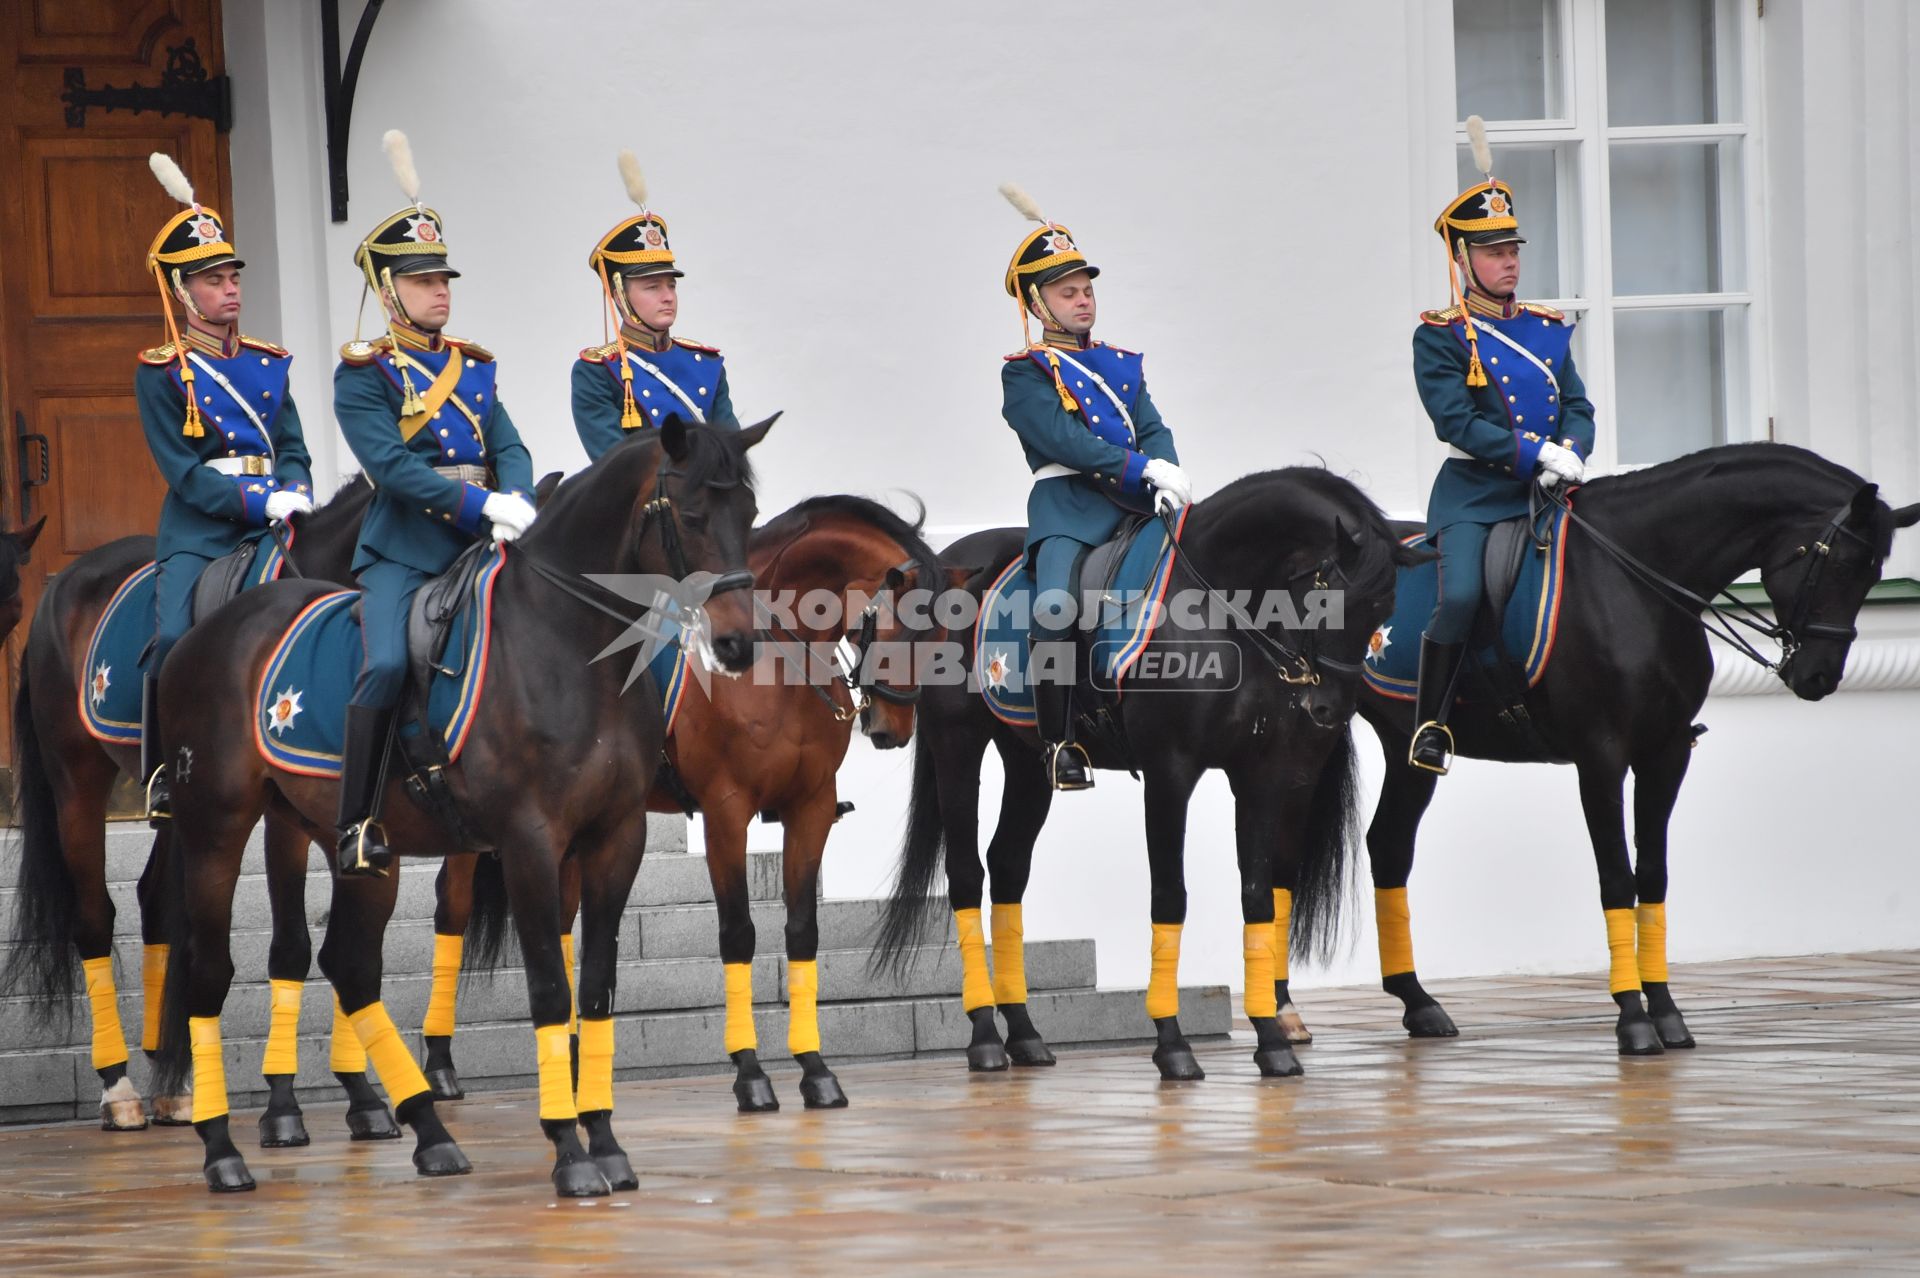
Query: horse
[1280, 735]
[771, 744]
[16, 549]
[555, 764]
[1646, 554]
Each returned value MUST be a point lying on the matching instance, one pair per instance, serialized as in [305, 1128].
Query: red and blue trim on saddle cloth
[1532, 621]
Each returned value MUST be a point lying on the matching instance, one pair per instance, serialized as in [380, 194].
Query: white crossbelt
[1057, 470]
[1525, 354]
[699, 417]
[221, 380]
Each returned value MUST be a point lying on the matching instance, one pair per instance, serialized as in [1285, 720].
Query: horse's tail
[173, 1063]
[1324, 882]
[487, 925]
[911, 905]
[40, 964]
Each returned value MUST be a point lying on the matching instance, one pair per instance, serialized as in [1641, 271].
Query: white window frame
[1585, 207]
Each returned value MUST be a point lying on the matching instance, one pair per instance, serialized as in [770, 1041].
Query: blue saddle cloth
[1129, 612]
[110, 694]
[301, 704]
[1532, 620]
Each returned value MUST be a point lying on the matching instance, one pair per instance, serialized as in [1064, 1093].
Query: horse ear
[545, 488]
[1406, 556]
[26, 538]
[1905, 517]
[673, 436]
[1864, 501]
[751, 435]
[1349, 540]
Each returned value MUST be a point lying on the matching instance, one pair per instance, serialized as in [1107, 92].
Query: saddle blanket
[300, 710]
[1129, 613]
[1532, 620]
[110, 693]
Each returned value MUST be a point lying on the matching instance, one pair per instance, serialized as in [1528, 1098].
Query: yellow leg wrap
[395, 1065]
[1395, 926]
[1623, 971]
[596, 1066]
[153, 983]
[346, 1056]
[739, 1033]
[209, 1068]
[803, 1006]
[573, 996]
[1282, 931]
[283, 1028]
[1163, 985]
[446, 986]
[976, 986]
[1009, 955]
[109, 1040]
[1652, 951]
[556, 1072]
[1257, 945]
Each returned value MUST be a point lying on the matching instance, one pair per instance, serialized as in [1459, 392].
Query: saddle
[252, 563]
[437, 606]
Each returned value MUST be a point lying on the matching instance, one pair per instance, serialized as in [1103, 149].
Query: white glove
[1559, 465]
[511, 515]
[283, 504]
[1169, 481]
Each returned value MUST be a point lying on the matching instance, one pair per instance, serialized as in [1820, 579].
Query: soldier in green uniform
[1496, 376]
[645, 375]
[223, 429]
[419, 410]
[1096, 446]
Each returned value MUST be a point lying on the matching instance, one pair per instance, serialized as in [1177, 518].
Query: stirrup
[350, 857]
[159, 798]
[1054, 752]
[1446, 753]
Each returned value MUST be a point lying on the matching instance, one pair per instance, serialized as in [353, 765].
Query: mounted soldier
[645, 375]
[1096, 446]
[223, 429]
[1496, 376]
[420, 412]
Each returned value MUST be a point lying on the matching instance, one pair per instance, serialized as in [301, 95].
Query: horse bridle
[849, 663]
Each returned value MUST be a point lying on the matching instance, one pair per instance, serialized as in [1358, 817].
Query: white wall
[1257, 178]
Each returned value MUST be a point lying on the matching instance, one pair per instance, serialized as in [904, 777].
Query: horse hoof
[372, 1124]
[1638, 1038]
[1277, 1062]
[1672, 1028]
[1030, 1052]
[228, 1175]
[173, 1111]
[618, 1171]
[441, 1160]
[1176, 1065]
[1294, 1026]
[283, 1131]
[987, 1058]
[755, 1095]
[122, 1113]
[822, 1091]
[581, 1178]
[446, 1084]
[1430, 1021]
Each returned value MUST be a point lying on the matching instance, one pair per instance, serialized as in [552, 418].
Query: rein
[849, 662]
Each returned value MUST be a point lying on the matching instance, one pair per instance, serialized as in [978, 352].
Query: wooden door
[79, 114]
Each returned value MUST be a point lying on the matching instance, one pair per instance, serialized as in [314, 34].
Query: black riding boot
[153, 769]
[1432, 746]
[1067, 767]
[362, 849]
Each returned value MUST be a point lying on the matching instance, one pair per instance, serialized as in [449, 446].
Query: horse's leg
[1264, 812]
[1656, 787]
[212, 844]
[289, 956]
[80, 800]
[1025, 799]
[1169, 785]
[807, 825]
[599, 881]
[726, 824]
[957, 775]
[351, 959]
[453, 905]
[1602, 798]
[1405, 793]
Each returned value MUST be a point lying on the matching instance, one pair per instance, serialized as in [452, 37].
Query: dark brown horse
[16, 548]
[556, 764]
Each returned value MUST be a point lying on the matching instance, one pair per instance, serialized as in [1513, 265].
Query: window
[1625, 128]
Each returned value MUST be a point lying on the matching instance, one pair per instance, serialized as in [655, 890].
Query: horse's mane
[357, 484]
[1723, 456]
[710, 460]
[892, 523]
[1318, 495]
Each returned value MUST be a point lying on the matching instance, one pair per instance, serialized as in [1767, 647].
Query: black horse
[16, 548]
[1629, 672]
[1281, 736]
[556, 765]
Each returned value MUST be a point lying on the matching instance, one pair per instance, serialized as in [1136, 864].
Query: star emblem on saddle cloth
[205, 229]
[1379, 642]
[285, 709]
[101, 681]
[423, 230]
[997, 669]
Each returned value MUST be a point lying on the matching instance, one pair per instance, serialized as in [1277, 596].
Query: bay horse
[1646, 556]
[555, 764]
[770, 743]
[1281, 736]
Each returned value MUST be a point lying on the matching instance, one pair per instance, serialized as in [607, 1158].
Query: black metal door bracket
[185, 88]
[339, 84]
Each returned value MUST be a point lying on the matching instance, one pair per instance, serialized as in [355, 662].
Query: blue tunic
[599, 393]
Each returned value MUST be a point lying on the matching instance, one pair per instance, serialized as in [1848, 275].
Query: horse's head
[15, 549]
[1365, 558]
[1819, 575]
[702, 507]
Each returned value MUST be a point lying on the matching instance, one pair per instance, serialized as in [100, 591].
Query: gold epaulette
[358, 352]
[1120, 350]
[472, 350]
[1546, 312]
[599, 354]
[157, 355]
[1023, 352]
[261, 344]
[692, 345]
[1447, 316]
